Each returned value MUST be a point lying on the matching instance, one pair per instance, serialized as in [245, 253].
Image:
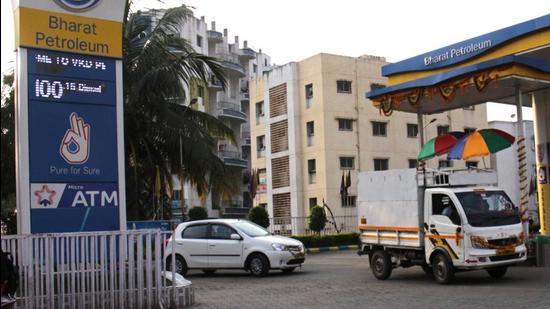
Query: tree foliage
[8, 200]
[259, 216]
[159, 69]
[317, 219]
[197, 213]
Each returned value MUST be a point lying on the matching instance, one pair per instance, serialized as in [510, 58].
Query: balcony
[232, 157]
[231, 63]
[245, 137]
[215, 36]
[246, 54]
[214, 83]
[245, 98]
[231, 110]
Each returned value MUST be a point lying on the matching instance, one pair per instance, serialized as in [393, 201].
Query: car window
[195, 231]
[221, 231]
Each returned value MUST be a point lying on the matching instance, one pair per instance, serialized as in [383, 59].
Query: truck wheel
[380, 263]
[442, 269]
[497, 272]
[428, 270]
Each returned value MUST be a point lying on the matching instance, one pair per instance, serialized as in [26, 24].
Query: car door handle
[432, 225]
[212, 245]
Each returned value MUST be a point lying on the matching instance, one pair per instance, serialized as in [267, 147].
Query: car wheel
[181, 266]
[497, 272]
[443, 270]
[428, 270]
[258, 265]
[288, 270]
[380, 264]
[209, 271]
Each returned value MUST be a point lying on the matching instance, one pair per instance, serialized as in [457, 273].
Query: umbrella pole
[522, 163]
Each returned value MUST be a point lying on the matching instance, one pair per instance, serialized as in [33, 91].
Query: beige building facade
[311, 124]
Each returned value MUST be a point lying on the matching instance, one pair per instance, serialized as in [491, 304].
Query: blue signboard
[72, 142]
[73, 158]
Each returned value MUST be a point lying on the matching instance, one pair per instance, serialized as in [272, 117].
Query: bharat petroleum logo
[77, 5]
[45, 196]
[75, 146]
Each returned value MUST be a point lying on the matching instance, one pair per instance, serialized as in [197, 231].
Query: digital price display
[72, 141]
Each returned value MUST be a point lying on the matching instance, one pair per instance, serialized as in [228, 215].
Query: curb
[334, 248]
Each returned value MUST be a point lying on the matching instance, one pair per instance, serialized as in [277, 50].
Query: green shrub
[259, 216]
[317, 219]
[197, 213]
[315, 241]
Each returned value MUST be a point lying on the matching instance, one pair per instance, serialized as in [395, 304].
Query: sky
[292, 30]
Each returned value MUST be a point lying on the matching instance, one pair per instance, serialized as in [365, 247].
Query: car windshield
[251, 229]
[488, 208]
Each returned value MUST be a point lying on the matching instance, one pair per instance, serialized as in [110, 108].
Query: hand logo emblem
[75, 147]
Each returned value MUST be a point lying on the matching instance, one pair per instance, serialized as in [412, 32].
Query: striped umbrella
[480, 143]
[439, 145]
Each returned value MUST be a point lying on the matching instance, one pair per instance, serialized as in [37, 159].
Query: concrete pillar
[541, 110]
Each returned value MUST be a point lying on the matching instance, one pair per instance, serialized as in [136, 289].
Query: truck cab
[473, 228]
[444, 221]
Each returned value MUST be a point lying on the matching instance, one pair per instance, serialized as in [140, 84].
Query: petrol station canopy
[489, 68]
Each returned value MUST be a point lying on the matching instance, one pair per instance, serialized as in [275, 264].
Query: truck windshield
[488, 208]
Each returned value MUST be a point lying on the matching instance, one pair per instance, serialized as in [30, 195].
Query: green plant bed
[316, 241]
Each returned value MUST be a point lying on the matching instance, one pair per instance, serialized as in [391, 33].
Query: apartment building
[312, 124]
[241, 63]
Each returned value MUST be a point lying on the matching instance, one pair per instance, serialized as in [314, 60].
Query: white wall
[505, 162]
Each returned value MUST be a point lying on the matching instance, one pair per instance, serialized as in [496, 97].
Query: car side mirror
[236, 237]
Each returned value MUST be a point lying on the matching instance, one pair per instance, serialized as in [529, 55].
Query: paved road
[344, 280]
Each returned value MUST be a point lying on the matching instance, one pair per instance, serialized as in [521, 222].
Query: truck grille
[504, 257]
[511, 241]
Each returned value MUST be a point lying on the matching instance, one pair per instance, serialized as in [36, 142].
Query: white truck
[444, 221]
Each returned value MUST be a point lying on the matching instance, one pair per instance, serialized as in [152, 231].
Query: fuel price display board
[73, 166]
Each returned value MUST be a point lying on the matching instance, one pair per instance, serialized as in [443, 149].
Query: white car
[231, 244]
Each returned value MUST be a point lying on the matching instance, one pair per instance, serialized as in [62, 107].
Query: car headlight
[479, 242]
[278, 247]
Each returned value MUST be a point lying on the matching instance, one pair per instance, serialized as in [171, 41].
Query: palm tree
[158, 67]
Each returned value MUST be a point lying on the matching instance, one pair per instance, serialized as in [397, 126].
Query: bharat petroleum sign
[77, 5]
[68, 32]
[457, 52]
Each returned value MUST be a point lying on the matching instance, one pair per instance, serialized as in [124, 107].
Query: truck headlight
[479, 242]
[278, 247]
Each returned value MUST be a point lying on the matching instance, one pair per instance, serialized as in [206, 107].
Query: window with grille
[379, 128]
[442, 130]
[345, 124]
[413, 163]
[347, 163]
[343, 86]
[412, 130]
[380, 164]
[311, 170]
[348, 201]
[309, 91]
[312, 202]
